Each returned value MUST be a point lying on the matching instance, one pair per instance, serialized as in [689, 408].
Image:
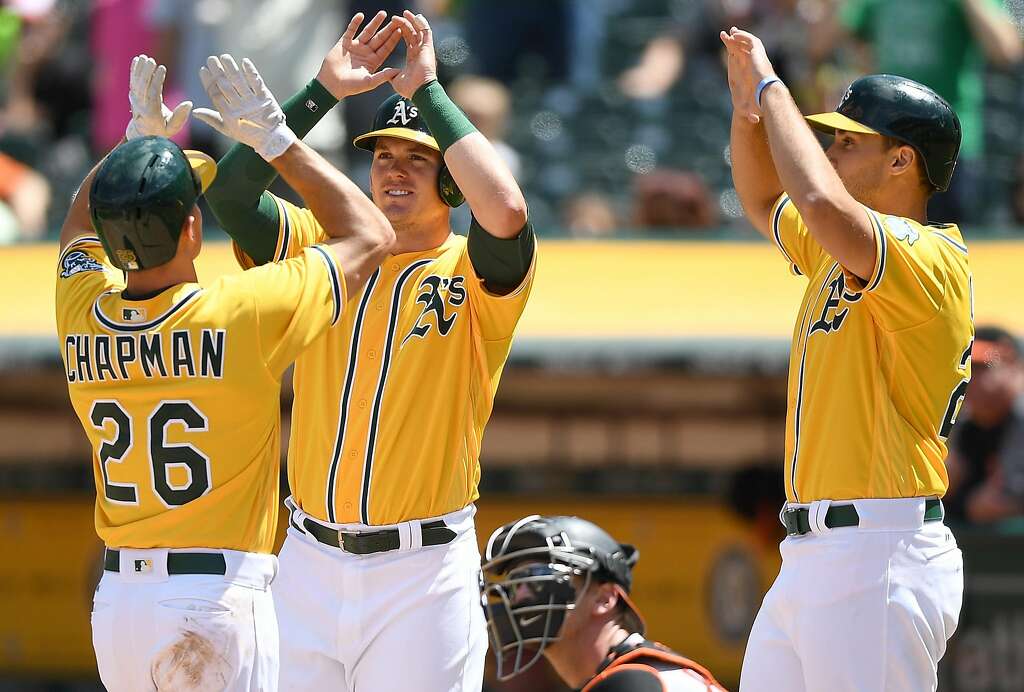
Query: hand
[349, 67]
[420, 64]
[245, 109]
[146, 94]
[748, 65]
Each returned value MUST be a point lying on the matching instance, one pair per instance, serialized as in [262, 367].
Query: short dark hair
[997, 335]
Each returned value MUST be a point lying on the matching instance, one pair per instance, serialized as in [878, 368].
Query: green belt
[177, 563]
[367, 542]
[797, 522]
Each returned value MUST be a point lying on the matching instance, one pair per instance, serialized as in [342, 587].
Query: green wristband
[445, 120]
[306, 108]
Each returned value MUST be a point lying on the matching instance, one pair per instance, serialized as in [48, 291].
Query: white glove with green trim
[246, 111]
[146, 94]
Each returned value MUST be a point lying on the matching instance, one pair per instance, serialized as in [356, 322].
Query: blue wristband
[762, 85]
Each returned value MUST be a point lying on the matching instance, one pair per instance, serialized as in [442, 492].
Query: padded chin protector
[628, 678]
[449, 189]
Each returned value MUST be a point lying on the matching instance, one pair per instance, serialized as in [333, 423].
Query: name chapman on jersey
[106, 358]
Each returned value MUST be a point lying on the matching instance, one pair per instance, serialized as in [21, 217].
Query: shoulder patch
[76, 262]
[901, 229]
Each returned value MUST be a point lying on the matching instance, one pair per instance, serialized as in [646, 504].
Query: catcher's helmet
[905, 110]
[528, 583]
[399, 117]
[141, 195]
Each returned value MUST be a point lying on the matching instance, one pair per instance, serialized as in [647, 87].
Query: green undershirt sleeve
[238, 196]
[502, 263]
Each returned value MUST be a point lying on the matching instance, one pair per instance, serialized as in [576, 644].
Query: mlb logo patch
[133, 314]
[143, 566]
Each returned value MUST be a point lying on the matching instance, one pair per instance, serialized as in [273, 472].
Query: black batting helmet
[528, 583]
[399, 117]
[884, 104]
[140, 197]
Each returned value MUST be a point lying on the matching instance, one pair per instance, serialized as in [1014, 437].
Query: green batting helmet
[884, 104]
[399, 117]
[141, 196]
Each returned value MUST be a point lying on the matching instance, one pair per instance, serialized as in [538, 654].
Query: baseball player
[378, 587]
[872, 580]
[177, 386]
[558, 587]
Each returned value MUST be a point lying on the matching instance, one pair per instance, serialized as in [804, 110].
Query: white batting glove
[246, 111]
[146, 94]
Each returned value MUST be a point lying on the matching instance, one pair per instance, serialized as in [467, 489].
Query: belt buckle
[351, 535]
[792, 525]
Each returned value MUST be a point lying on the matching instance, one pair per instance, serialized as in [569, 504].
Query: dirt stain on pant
[191, 663]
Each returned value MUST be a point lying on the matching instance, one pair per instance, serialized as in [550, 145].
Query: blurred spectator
[666, 198]
[986, 448]
[589, 215]
[119, 32]
[945, 45]
[527, 38]
[26, 194]
[486, 103]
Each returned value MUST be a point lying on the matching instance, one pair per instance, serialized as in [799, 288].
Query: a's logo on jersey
[133, 314]
[404, 113]
[901, 229]
[832, 317]
[435, 294]
[76, 262]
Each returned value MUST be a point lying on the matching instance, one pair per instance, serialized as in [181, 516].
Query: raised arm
[834, 218]
[491, 190]
[150, 116]
[238, 196]
[360, 235]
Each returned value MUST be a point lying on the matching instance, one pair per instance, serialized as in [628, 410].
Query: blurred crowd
[614, 114]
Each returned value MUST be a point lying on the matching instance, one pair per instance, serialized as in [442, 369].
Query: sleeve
[83, 274]
[297, 229]
[497, 315]
[912, 268]
[794, 240]
[296, 301]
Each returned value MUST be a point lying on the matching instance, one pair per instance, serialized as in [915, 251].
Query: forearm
[337, 203]
[489, 186]
[995, 33]
[753, 172]
[833, 217]
[238, 198]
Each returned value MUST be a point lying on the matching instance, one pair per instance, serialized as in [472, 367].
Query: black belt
[177, 563]
[367, 542]
[797, 521]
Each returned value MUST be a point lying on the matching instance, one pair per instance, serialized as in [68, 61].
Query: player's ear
[904, 159]
[606, 598]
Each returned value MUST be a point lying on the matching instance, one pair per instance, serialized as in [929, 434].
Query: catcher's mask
[535, 569]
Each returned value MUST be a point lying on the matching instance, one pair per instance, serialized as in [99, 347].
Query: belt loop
[416, 529]
[816, 514]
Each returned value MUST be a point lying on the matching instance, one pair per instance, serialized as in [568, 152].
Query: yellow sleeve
[791, 236]
[496, 316]
[83, 274]
[912, 267]
[296, 300]
[297, 229]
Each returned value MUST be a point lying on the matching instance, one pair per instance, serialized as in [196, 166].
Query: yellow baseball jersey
[179, 394]
[878, 368]
[391, 403]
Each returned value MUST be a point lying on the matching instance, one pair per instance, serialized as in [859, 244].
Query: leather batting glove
[246, 111]
[146, 94]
